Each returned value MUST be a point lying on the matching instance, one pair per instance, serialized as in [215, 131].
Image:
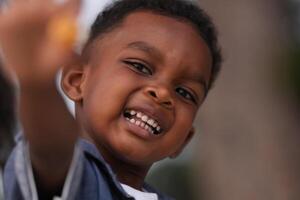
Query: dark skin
[31, 55]
[152, 64]
[139, 66]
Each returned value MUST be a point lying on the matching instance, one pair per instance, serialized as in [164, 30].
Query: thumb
[71, 7]
[55, 55]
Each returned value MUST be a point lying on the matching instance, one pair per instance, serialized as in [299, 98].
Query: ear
[72, 82]
[187, 140]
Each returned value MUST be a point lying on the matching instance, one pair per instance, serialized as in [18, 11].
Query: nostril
[152, 93]
[161, 96]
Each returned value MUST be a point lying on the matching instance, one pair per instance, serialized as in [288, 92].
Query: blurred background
[247, 143]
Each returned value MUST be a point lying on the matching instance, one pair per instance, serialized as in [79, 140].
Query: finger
[50, 61]
[62, 30]
[71, 7]
[63, 27]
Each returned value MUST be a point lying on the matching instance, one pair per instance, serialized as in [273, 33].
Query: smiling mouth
[143, 121]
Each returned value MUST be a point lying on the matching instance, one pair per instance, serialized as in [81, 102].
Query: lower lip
[138, 131]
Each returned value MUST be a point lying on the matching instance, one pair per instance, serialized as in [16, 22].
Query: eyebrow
[147, 48]
[199, 79]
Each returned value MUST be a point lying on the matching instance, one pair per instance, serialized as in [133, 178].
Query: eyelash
[139, 67]
[186, 94]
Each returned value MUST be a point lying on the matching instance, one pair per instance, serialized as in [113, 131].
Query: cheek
[183, 123]
[108, 91]
[179, 131]
[185, 115]
[104, 102]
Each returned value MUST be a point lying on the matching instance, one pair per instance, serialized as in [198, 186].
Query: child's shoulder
[18, 176]
[89, 176]
[105, 176]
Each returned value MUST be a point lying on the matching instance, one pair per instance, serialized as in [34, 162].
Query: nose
[160, 95]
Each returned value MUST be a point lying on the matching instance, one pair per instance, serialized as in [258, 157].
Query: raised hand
[37, 37]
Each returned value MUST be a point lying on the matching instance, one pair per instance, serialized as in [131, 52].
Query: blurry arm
[51, 132]
[34, 48]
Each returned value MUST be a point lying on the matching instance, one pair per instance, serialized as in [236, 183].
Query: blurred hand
[37, 37]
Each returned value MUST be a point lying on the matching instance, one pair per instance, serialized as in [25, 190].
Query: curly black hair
[182, 10]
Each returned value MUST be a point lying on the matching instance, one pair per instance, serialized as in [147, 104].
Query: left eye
[139, 67]
[186, 94]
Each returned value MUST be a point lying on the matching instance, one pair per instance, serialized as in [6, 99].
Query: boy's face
[151, 70]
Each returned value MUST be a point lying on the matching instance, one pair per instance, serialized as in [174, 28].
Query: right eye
[186, 94]
[139, 67]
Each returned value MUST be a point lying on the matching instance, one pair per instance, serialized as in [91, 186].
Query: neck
[127, 173]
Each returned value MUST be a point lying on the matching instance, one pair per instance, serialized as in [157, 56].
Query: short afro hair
[182, 10]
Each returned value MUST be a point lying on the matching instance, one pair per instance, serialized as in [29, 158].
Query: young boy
[143, 74]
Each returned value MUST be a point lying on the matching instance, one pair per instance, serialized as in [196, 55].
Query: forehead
[173, 39]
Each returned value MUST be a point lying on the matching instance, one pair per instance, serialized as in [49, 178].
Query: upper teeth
[132, 112]
[145, 121]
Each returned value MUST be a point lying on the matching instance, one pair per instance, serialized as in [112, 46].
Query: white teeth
[139, 115]
[145, 122]
[150, 122]
[132, 112]
[145, 118]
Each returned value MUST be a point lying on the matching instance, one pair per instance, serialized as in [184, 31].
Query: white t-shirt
[139, 195]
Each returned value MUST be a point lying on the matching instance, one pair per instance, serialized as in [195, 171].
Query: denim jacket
[89, 177]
